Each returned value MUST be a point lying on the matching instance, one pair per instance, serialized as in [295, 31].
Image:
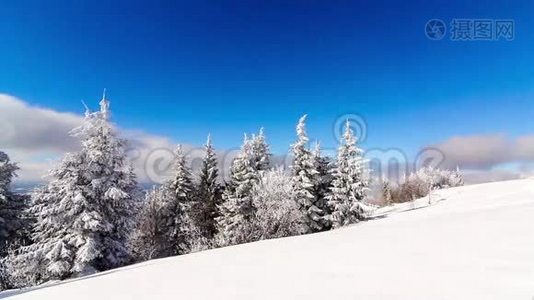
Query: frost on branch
[237, 209]
[14, 222]
[421, 183]
[208, 195]
[303, 174]
[85, 213]
[350, 184]
[277, 212]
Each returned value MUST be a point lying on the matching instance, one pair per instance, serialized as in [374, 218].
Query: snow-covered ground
[473, 242]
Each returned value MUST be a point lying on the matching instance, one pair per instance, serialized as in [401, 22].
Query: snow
[472, 242]
[91, 197]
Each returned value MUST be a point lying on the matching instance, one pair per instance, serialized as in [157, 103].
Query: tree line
[92, 216]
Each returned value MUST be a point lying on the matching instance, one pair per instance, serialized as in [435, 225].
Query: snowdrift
[473, 242]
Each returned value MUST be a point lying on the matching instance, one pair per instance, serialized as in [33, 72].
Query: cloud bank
[33, 128]
[34, 136]
[486, 151]
[489, 157]
[37, 137]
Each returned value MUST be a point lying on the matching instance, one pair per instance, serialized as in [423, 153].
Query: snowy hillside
[473, 242]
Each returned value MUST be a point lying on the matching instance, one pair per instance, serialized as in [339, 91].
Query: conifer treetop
[301, 129]
[104, 106]
[348, 135]
[317, 149]
[208, 141]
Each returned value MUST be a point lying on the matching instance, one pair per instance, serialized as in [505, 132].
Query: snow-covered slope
[474, 242]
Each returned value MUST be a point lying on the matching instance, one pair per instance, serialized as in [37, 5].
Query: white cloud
[37, 138]
[524, 148]
[34, 136]
[484, 152]
[152, 157]
[487, 158]
[477, 152]
[33, 128]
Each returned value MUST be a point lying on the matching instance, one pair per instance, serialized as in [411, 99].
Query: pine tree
[237, 209]
[85, 214]
[208, 194]
[261, 155]
[386, 191]
[304, 172]
[191, 238]
[181, 184]
[153, 237]
[321, 186]
[165, 227]
[350, 184]
[184, 231]
[456, 178]
[13, 222]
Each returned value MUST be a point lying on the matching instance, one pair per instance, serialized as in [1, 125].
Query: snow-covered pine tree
[456, 178]
[303, 174]
[386, 191]
[237, 209]
[321, 187]
[181, 183]
[7, 173]
[185, 233]
[205, 209]
[191, 238]
[13, 222]
[165, 227]
[350, 183]
[261, 155]
[153, 234]
[85, 213]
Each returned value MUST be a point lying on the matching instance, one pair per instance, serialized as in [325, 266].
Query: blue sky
[185, 68]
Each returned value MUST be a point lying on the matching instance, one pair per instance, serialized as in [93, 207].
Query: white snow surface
[472, 242]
